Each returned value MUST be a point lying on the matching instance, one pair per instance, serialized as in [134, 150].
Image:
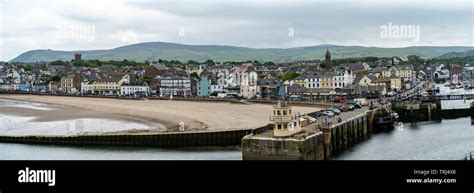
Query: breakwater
[164, 140]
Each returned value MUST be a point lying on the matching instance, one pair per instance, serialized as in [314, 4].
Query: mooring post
[429, 112]
[370, 120]
[327, 141]
[472, 113]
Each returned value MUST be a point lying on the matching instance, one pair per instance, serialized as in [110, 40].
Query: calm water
[446, 140]
[450, 139]
[50, 152]
[21, 125]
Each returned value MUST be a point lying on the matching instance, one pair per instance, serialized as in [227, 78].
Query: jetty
[316, 141]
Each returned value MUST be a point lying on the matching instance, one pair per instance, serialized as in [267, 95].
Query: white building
[311, 80]
[235, 74]
[13, 75]
[109, 85]
[221, 75]
[86, 88]
[341, 79]
[441, 72]
[10, 87]
[134, 89]
[221, 78]
[217, 88]
[198, 69]
[175, 86]
[248, 85]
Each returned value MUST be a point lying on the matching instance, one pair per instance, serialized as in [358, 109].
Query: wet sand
[195, 115]
[24, 118]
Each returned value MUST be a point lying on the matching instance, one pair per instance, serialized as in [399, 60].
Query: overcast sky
[101, 24]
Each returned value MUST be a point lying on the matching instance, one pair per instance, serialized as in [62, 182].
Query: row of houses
[247, 80]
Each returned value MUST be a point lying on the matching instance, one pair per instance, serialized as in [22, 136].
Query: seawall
[164, 140]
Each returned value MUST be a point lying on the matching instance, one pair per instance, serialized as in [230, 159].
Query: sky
[105, 24]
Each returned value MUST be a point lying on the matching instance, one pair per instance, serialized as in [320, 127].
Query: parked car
[356, 105]
[350, 107]
[342, 108]
[311, 119]
[327, 113]
[316, 115]
[305, 99]
[335, 111]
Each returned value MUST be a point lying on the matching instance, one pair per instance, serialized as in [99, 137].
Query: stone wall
[309, 148]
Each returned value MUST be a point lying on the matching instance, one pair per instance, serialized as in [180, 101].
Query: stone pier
[317, 141]
[472, 113]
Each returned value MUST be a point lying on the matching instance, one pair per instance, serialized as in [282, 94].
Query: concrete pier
[317, 141]
[308, 146]
[412, 111]
[416, 111]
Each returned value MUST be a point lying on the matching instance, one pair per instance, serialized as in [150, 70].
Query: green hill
[153, 51]
[464, 54]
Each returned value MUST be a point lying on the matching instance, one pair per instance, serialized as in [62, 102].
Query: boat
[385, 119]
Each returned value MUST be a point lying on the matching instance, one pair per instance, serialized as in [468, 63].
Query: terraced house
[175, 86]
[109, 85]
[70, 84]
[135, 89]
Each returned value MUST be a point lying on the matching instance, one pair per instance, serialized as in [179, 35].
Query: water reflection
[445, 140]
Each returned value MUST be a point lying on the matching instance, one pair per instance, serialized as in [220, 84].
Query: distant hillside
[467, 53]
[153, 51]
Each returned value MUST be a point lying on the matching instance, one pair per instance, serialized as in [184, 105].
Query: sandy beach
[195, 115]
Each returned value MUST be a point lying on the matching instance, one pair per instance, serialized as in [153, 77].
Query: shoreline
[197, 116]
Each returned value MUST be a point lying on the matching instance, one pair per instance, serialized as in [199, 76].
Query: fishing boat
[384, 119]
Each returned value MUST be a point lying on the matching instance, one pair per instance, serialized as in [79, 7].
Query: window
[278, 126]
[278, 112]
[284, 112]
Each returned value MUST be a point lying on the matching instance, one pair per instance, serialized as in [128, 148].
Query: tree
[214, 93]
[194, 74]
[288, 75]
[58, 62]
[269, 63]
[193, 62]
[148, 79]
[56, 79]
[28, 67]
[209, 62]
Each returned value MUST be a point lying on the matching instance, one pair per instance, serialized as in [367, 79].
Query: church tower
[328, 60]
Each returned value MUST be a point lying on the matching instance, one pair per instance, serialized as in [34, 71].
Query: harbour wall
[321, 144]
[163, 140]
[429, 111]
